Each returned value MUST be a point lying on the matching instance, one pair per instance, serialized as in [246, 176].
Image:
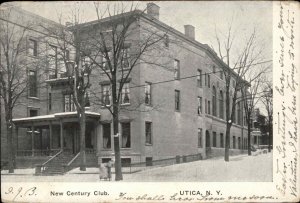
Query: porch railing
[37, 152]
[90, 151]
[41, 168]
[67, 166]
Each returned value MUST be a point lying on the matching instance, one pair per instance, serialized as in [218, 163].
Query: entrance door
[207, 139]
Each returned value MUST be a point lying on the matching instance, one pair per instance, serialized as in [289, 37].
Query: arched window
[214, 101]
[221, 105]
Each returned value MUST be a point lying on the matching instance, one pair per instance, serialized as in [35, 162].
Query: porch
[52, 133]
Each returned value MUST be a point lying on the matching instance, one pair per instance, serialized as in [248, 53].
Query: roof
[55, 116]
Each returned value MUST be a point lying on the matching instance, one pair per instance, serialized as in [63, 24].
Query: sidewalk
[240, 168]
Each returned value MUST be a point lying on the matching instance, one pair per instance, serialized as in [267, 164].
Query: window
[199, 137]
[166, 40]
[148, 93]
[233, 142]
[105, 65]
[106, 96]
[125, 162]
[126, 142]
[49, 101]
[214, 139]
[69, 103]
[125, 95]
[67, 55]
[125, 58]
[148, 132]
[106, 160]
[32, 84]
[239, 113]
[87, 99]
[208, 107]
[199, 105]
[86, 62]
[214, 101]
[239, 143]
[32, 47]
[106, 136]
[221, 75]
[149, 161]
[177, 100]
[33, 112]
[208, 80]
[205, 79]
[222, 140]
[214, 69]
[52, 54]
[199, 78]
[234, 115]
[221, 105]
[205, 106]
[176, 69]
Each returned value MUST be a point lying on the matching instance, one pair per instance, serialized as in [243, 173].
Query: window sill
[104, 107]
[35, 98]
[125, 148]
[126, 104]
[147, 144]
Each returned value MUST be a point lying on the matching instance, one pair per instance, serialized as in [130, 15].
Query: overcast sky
[202, 15]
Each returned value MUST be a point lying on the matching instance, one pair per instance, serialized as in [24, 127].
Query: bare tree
[250, 100]
[235, 72]
[267, 100]
[13, 74]
[122, 50]
[75, 58]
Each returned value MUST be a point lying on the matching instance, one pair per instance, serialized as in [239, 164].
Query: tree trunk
[82, 141]
[249, 138]
[118, 166]
[270, 135]
[227, 142]
[10, 147]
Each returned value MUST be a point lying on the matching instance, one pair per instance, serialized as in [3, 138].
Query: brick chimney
[189, 31]
[153, 10]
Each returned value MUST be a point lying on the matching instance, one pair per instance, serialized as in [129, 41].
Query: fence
[136, 167]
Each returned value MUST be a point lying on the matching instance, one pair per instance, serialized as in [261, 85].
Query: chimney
[153, 10]
[189, 31]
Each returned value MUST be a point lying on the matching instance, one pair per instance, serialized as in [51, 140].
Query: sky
[205, 16]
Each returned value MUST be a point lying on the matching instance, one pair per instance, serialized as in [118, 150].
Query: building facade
[180, 106]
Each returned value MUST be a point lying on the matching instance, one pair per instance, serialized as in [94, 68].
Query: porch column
[61, 135]
[41, 140]
[17, 142]
[50, 136]
[32, 139]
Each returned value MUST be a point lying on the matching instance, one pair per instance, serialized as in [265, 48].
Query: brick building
[189, 117]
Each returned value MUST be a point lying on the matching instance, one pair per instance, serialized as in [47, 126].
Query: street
[240, 168]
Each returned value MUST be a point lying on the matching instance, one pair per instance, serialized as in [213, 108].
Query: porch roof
[51, 117]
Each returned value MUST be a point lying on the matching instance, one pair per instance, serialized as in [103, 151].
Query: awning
[44, 119]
